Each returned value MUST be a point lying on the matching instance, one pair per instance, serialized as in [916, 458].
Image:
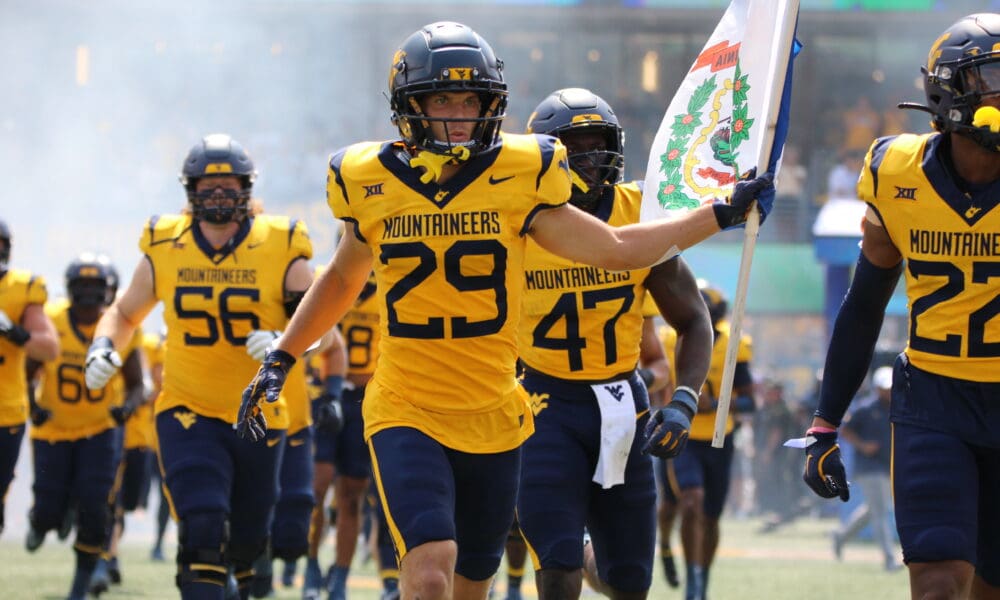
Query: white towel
[617, 431]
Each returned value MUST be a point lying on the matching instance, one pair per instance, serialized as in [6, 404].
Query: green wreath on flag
[724, 143]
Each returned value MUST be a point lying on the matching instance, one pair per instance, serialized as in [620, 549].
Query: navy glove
[121, 413]
[824, 471]
[733, 213]
[17, 335]
[328, 414]
[667, 430]
[39, 415]
[266, 384]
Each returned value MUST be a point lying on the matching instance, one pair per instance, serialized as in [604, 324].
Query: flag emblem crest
[699, 163]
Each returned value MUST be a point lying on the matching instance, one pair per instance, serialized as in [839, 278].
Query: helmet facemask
[229, 205]
[596, 169]
[88, 292]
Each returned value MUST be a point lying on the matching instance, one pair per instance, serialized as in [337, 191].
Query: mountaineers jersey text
[951, 246]
[578, 321]
[448, 263]
[212, 299]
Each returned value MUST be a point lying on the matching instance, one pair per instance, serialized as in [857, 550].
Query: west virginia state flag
[730, 113]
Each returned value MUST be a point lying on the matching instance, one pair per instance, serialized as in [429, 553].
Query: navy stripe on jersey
[531, 216]
[547, 146]
[291, 231]
[336, 162]
[220, 254]
[878, 155]
[439, 195]
[944, 183]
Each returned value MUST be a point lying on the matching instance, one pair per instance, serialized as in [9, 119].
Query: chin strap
[432, 163]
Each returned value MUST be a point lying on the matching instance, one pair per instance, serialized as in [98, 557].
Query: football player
[442, 215]
[25, 331]
[932, 214]
[76, 433]
[579, 347]
[702, 472]
[220, 273]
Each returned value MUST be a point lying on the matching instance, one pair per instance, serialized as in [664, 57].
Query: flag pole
[779, 64]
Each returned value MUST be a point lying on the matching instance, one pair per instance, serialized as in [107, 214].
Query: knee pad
[202, 539]
[93, 523]
[243, 555]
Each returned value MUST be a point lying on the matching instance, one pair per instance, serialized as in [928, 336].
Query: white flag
[730, 113]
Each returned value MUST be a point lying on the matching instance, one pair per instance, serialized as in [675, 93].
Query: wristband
[813, 430]
[690, 403]
[18, 335]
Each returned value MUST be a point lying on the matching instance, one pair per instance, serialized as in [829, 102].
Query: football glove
[121, 413]
[266, 385]
[733, 212]
[102, 362]
[260, 341]
[328, 413]
[17, 335]
[824, 471]
[38, 415]
[667, 430]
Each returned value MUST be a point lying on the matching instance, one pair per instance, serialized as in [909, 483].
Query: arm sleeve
[854, 335]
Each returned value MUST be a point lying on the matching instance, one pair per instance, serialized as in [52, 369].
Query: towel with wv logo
[617, 431]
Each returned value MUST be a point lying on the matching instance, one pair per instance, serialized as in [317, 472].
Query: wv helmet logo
[616, 391]
[905, 193]
[373, 190]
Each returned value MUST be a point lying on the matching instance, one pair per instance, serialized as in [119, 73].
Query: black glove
[667, 430]
[733, 213]
[17, 335]
[266, 384]
[824, 471]
[39, 415]
[121, 413]
[328, 414]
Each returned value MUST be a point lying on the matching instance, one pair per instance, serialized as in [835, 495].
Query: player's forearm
[646, 244]
[855, 333]
[115, 326]
[694, 353]
[326, 301]
[42, 346]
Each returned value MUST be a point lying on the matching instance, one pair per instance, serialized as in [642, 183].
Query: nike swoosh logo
[252, 246]
[274, 442]
[296, 443]
[496, 180]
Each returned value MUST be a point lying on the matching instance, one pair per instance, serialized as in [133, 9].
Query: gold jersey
[77, 412]
[18, 289]
[951, 243]
[212, 299]
[580, 322]
[449, 269]
[360, 328]
[703, 424]
[295, 393]
[140, 430]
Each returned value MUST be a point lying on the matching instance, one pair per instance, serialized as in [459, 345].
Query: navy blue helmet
[89, 280]
[575, 110]
[963, 68]
[446, 57]
[218, 155]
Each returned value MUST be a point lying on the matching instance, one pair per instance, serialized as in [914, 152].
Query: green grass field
[792, 563]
